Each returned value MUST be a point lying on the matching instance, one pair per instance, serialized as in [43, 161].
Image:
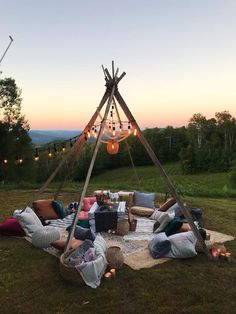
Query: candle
[107, 276]
[214, 253]
[113, 272]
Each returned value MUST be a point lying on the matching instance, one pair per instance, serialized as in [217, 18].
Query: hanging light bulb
[5, 161]
[20, 160]
[36, 155]
[49, 153]
[135, 132]
[63, 148]
[88, 133]
[129, 128]
[113, 131]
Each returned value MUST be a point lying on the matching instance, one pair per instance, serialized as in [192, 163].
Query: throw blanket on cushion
[92, 271]
[159, 245]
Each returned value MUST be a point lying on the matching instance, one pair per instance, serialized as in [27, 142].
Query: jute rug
[134, 245]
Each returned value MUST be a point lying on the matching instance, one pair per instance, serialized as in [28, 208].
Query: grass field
[30, 281]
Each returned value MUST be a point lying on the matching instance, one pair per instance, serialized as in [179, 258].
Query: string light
[5, 161]
[36, 155]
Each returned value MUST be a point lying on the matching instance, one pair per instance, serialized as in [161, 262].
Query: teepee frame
[111, 93]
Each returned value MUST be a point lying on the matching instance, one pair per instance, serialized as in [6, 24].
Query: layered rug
[134, 245]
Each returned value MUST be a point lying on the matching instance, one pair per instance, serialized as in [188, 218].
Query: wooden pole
[162, 171]
[80, 142]
[72, 229]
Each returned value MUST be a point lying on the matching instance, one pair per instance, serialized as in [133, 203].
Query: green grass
[30, 281]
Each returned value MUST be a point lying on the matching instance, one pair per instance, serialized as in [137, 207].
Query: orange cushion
[60, 244]
[43, 208]
[170, 202]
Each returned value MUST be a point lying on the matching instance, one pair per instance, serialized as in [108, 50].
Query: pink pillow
[83, 215]
[11, 227]
[88, 202]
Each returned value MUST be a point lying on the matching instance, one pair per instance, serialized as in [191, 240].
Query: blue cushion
[159, 246]
[144, 199]
[83, 234]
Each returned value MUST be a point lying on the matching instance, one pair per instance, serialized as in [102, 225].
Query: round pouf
[115, 257]
[43, 237]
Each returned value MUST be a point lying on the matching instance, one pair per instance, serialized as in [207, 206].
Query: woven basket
[115, 257]
[68, 272]
[122, 227]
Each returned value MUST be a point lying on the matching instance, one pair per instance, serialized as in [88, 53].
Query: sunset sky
[179, 56]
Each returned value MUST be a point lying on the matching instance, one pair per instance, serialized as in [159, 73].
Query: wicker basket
[68, 272]
[115, 257]
[122, 227]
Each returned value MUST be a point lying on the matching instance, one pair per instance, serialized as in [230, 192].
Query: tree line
[203, 145]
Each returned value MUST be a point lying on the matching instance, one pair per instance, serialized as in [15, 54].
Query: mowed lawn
[30, 281]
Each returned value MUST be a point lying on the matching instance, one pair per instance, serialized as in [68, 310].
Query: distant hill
[42, 137]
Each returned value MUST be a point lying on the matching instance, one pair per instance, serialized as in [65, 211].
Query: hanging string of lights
[115, 131]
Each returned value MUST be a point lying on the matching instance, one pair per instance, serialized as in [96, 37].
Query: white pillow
[182, 245]
[164, 220]
[29, 221]
[157, 214]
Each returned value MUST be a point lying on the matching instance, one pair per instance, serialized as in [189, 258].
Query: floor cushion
[173, 226]
[182, 245]
[144, 199]
[29, 221]
[167, 204]
[44, 209]
[142, 211]
[163, 221]
[88, 202]
[43, 237]
[83, 215]
[11, 227]
[59, 209]
[159, 245]
[81, 233]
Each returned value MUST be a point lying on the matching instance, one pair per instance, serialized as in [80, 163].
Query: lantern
[112, 147]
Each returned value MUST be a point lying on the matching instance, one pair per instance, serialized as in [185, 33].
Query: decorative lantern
[112, 147]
